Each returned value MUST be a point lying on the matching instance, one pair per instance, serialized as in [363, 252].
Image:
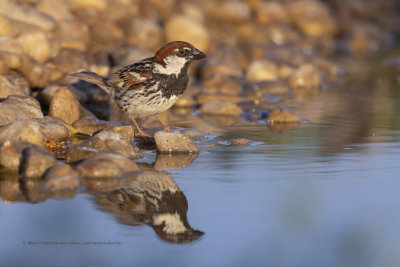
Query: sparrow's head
[173, 56]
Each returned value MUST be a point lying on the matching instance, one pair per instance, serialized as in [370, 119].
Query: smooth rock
[203, 98]
[262, 70]
[47, 94]
[9, 61]
[64, 106]
[179, 27]
[61, 177]
[272, 12]
[195, 135]
[23, 130]
[58, 10]
[27, 15]
[11, 155]
[221, 107]
[12, 27]
[223, 84]
[124, 130]
[306, 76]
[10, 113]
[282, 116]
[231, 10]
[10, 86]
[239, 142]
[39, 74]
[145, 33]
[185, 101]
[11, 45]
[77, 153]
[110, 142]
[174, 143]
[88, 4]
[38, 46]
[90, 126]
[36, 161]
[313, 18]
[29, 104]
[53, 128]
[106, 165]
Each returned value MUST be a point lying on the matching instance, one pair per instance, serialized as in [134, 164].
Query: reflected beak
[197, 54]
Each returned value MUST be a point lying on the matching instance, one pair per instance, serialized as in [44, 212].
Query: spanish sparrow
[150, 86]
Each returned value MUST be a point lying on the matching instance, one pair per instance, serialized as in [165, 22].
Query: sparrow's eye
[182, 52]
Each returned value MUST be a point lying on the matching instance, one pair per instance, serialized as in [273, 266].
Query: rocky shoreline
[57, 132]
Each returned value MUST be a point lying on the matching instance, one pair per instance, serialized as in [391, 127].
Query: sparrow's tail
[91, 77]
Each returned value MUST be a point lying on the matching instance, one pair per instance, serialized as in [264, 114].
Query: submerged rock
[36, 161]
[239, 142]
[11, 155]
[106, 165]
[282, 116]
[174, 143]
[23, 130]
[111, 142]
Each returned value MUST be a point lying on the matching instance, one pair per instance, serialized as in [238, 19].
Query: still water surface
[326, 193]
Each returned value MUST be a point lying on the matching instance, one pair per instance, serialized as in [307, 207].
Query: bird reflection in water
[152, 197]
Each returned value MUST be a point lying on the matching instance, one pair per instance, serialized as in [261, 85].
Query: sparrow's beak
[197, 54]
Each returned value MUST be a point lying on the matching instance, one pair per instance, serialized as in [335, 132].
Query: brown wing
[132, 76]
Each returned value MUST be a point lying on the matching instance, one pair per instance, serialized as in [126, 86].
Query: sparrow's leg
[166, 127]
[141, 133]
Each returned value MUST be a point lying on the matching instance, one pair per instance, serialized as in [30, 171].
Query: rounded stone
[110, 142]
[282, 116]
[11, 155]
[262, 70]
[179, 27]
[174, 143]
[9, 87]
[23, 130]
[36, 161]
[64, 106]
[221, 107]
[53, 128]
[306, 76]
[106, 165]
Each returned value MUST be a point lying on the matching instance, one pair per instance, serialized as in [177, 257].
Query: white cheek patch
[173, 223]
[173, 65]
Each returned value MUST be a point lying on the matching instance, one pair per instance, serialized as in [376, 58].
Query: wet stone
[77, 153]
[10, 85]
[110, 142]
[221, 107]
[90, 126]
[53, 128]
[61, 177]
[36, 161]
[124, 130]
[203, 98]
[223, 84]
[11, 155]
[239, 142]
[47, 94]
[64, 106]
[195, 135]
[282, 116]
[174, 143]
[306, 76]
[179, 27]
[106, 165]
[23, 130]
[16, 107]
[262, 70]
